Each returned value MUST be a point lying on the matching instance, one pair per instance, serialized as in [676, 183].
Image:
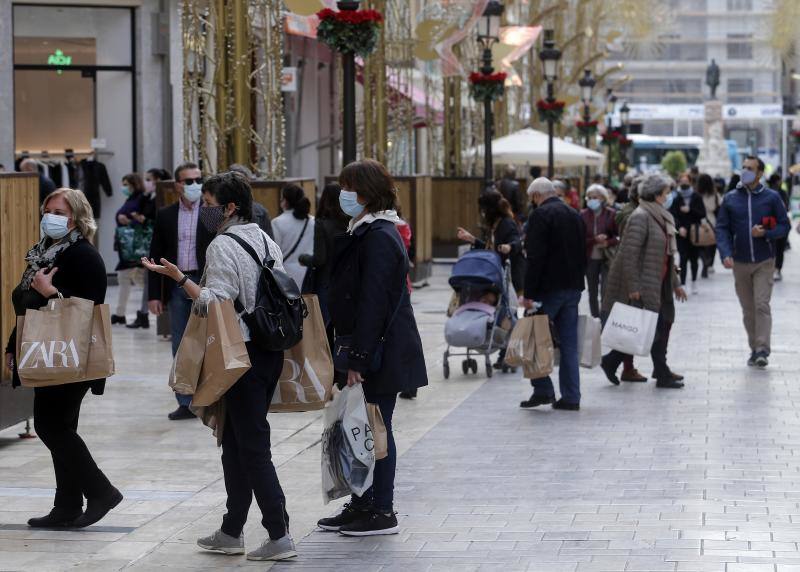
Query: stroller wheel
[446, 370]
[465, 366]
[489, 368]
[473, 364]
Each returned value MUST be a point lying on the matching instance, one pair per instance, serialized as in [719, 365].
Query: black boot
[98, 508]
[142, 321]
[117, 319]
[58, 518]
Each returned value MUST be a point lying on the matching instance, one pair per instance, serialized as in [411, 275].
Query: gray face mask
[212, 217]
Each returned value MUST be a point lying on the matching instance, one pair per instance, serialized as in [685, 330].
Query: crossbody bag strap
[403, 294]
[297, 244]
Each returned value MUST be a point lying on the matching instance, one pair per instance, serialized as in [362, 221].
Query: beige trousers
[754, 289]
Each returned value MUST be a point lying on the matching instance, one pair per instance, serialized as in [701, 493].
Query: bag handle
[297, 244]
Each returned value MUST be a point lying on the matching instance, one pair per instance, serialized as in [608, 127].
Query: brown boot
[633, 375]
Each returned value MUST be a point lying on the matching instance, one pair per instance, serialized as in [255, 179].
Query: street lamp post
[586, 83]
[488, 34]
[348, 96]
[550, 55]
[611, 103]
[624, 116]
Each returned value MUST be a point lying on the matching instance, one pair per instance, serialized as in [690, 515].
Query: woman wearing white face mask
[601, 237]
[63, 264]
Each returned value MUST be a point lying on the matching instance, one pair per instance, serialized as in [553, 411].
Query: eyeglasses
[198, 180]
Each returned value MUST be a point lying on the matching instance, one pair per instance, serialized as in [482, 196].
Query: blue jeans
[180, 308]
[380, 496]
[562, 308]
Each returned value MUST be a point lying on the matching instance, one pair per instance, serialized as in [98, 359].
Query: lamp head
[586, 83]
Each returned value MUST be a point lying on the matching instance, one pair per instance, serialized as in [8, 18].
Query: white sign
[644, 111]
[98, 144]
[752, 111]
[289, 79]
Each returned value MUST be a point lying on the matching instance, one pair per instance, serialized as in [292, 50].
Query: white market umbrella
[529, 147]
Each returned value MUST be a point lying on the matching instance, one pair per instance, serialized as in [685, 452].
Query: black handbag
[276, 322]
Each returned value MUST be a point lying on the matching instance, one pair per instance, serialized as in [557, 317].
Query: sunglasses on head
[198, 180]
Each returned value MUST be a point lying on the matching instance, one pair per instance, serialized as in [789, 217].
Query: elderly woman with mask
[643, 275]
[601, 238]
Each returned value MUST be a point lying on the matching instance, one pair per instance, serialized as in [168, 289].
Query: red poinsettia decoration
[615, 137]
[487, 87]
[550, 110]
[796, 135]
[349, 31]
[586, 128]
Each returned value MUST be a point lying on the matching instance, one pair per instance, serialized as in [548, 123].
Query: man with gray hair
[556, 249]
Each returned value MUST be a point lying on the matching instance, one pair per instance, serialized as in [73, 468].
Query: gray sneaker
[281, 549]
[221, 542]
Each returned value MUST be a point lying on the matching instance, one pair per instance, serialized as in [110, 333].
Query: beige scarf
[665, 221]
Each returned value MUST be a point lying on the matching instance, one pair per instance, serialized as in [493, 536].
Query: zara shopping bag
[307, 376]
[531, 346]
[630, 330]
[188, 360]
[226, 358]
[53, 343]
[348, 447]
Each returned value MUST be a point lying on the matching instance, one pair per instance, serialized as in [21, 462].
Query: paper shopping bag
[379, 434]
[520, 343]
[188, 360]
[543, 356]
[53, 343]
[100, 363]
[589, 345]
[226, 358]
[630, 330]
[307, 377]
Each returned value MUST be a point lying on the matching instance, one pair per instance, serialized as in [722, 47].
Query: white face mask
[149, 187]
[55, 226]
[193, 192]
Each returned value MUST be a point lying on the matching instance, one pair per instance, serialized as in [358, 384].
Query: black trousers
[246, 456]
[707, 255]
[55, 417]
[689, 256]
[780, 249]
[596, 274]
[380, 495]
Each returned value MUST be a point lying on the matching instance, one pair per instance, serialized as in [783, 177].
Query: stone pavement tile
[749, 567]
[701, 567]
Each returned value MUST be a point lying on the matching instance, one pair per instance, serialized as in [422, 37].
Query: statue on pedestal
[712, 78]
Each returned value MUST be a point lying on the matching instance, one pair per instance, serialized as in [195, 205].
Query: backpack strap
[237, 305]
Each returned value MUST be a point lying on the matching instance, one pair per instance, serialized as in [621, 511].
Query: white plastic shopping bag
[348, 446]
[630, 330]
[591, 351]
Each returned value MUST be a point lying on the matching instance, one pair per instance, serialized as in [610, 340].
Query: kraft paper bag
[539, 358]
[307, 377]
[519, 342]
[630, 330]
[226, 358]
[188, 362]
[379, 435]
[53, 343]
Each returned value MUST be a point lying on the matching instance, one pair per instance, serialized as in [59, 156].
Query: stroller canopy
[478, 268]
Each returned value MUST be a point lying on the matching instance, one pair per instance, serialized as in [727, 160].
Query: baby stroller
[480, 316]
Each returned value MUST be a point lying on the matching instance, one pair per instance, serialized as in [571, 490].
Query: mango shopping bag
[630, 330]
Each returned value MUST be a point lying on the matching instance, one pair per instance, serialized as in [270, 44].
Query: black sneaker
[669, 383]
[182, 412]
[117, 319]
[349, 515]
[566, 406]
[536, 400]
[761, 360]
[751, 361]
[372, 524]
[611, 373]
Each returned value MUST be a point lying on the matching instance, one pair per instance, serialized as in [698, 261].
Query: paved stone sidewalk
[641, 479]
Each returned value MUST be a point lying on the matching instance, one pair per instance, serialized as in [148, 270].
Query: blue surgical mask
[55, 226]
[748, 177]
[668, 202]
[594, 204]
[126, 191]
[348, 200]
[193, 192]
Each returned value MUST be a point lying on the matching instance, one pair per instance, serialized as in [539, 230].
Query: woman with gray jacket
[232, 274]
[643, 275]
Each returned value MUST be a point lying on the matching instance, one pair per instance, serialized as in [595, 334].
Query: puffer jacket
[639, 267]
[741, 210]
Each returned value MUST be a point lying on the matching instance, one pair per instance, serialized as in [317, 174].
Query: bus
[648, 150]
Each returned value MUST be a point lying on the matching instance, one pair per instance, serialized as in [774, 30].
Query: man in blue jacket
[750, 221]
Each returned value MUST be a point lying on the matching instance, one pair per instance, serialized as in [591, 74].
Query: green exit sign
[59, 59]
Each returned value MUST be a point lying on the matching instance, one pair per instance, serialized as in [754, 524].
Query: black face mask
[212, 217]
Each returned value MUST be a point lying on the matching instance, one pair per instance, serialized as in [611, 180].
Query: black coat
[82, 273]
[367, 280]
[507, 232]
[261, 218]
[556, 248]
[95, 177]
[165, 245]
[696, 214]
[321, 262]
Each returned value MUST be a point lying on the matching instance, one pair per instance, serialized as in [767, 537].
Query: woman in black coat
[501, 235]
[688, 210]
[370, 303]
[64, 264]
